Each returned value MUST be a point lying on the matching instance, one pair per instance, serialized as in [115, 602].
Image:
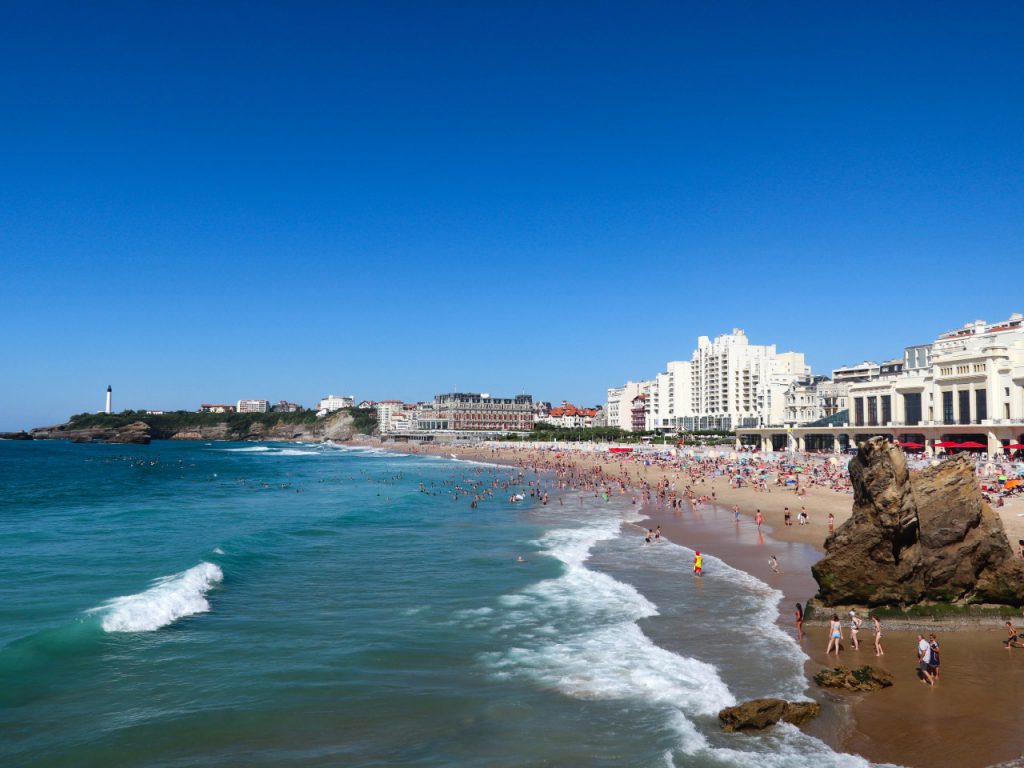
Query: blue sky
[202, 202]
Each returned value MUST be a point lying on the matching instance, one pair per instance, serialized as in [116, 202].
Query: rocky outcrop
[335, 426]
[917, 537]
[760, 713]
[23, 435]
[861, 679]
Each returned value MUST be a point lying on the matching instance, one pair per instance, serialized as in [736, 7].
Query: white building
[253, 406]
[619, 407]
[335, 403]
[813, 399]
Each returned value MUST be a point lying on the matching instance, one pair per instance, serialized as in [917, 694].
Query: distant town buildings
[727, 382]
[389, 414]
[253, 406]
[283, 406]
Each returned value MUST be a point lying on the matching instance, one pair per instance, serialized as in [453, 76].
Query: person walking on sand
[924, 660]
[835, 634]
[855, 622]
[698, 564]
[773, 564]
[878, 634]
[759, 518]
[831, 523]
[799, 621]
[787, 517]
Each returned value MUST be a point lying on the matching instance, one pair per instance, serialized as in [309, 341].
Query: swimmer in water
[519, 559]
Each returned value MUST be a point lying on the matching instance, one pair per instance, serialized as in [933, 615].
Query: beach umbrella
[948, 444]
[912, 445]
[972, 445]
[1014, 446]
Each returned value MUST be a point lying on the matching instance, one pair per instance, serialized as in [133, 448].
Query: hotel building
[335, 403]
[481, 412]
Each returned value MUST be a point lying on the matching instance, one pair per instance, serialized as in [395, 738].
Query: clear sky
[201, 202]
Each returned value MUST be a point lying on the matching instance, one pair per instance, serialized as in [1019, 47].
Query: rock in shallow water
[861, 679]
[760, 713]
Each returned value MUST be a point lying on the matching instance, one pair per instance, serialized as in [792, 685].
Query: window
[886, 409]
[980, 405]
[872, 411]
[912, 408]
[965, 406]
[858, 411]
[947, 408]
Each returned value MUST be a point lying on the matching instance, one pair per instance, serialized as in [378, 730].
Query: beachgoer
[831, 523]
[799, 620]
[924, 660]
[933, 644]
[786, 516]
[878, 635]
[647, 538]
[736, 512]
[1020, 548]
[1014, 640]
[759, 518]
[657, 534]
[698, 564]
[835, 634]
[855, 622]
[773, 564]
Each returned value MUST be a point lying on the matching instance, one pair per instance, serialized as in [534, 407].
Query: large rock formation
[760, 713]
[916, 537]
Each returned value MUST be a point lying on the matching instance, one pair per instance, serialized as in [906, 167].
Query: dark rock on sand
[917, 537]
[760, 713]
[861, 679]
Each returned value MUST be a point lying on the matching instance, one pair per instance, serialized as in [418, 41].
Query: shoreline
[909, 724]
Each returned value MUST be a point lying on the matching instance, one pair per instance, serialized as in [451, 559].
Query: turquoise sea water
[190, 604]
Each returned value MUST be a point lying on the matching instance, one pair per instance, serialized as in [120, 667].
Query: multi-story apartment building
[481, 412]
[671, 399]
[253, 406]
[388, 416]
[738, 384]
[813, 399]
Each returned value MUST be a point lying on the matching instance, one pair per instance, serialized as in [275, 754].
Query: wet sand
[974, 716]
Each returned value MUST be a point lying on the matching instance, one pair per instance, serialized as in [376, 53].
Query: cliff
[340, 425]
[917, 537]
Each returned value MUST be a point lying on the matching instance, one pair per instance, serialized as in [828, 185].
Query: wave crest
[169, 599]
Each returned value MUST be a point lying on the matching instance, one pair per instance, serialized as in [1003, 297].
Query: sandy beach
[971, 718]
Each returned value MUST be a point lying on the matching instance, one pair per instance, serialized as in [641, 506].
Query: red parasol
[972, 445]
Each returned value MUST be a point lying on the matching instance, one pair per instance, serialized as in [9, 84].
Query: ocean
[228, 604]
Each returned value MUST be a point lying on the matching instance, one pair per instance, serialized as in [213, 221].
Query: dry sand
[974, 716]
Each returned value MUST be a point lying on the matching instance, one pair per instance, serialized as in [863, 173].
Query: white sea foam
[251, 449]
[169, 599]
[218, 551]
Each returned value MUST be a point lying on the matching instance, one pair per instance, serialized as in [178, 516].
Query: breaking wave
[169, 599]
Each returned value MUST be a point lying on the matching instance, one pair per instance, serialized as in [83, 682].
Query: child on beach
[698, 564]
[773, 564]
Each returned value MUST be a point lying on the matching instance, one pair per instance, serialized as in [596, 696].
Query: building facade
[619, 406]
[967, 386]
[216, 408]
[481, 412]
[388, 416]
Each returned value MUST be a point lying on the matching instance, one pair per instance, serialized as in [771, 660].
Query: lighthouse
[108, 399]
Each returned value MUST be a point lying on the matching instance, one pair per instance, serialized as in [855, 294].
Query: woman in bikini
[878, 635]
[835, 634]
